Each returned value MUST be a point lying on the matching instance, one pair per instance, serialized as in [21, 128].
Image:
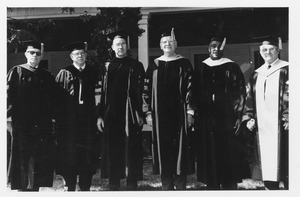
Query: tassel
[223, 44]
[42, 48]
[85, 46]
[173, 34]
[279, 43]
[128, 42]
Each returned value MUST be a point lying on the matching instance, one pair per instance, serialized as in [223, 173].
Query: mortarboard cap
[34, 44]
[270, 40]
[219, 38]
[78, 45]
[168, 33]
[165, 34]
[117, 34]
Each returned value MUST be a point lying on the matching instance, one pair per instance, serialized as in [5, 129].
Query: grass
[149, 183]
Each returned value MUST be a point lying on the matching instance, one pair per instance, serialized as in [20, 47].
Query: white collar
[78, 68]
[276, 65]
[218, 62]
[168, 59]
[273, 63]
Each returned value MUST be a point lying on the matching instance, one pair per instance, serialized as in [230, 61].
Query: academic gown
[265, 103]
[167, 97]
[120, 108]
[219, 96]
[78, 141]
[30, 104]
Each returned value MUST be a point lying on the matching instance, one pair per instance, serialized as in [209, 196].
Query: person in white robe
[266, 114]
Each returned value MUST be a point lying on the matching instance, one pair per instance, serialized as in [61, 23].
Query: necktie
[80, 69]
[33, 68]
[269, 66]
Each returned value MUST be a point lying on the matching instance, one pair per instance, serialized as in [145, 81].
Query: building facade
[244, 53]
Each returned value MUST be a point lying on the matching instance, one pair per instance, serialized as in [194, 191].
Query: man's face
[214, 50]
[33, 55]
[119, 46]
[269, 53]
[168, 45]
[78, 56]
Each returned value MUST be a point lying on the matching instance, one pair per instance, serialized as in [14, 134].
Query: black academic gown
[167, 97]
[120, 107]
[78, 141]
[30, 104]
[219, 91]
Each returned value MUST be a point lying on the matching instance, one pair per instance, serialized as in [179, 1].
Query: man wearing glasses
[30, 112]
[266, 113]
[77, 133]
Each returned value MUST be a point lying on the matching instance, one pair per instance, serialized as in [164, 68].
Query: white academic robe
[267, 107]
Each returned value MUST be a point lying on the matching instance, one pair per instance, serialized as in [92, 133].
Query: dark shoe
[31, 190]
[131, 184]
[111, 188]
[114, 185]
[229, 186]
[131, 187]
[271, 185]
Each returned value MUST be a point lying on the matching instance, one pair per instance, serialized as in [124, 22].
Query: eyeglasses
[34, 52]
[121, 44]
[78, 54]
[264, 50]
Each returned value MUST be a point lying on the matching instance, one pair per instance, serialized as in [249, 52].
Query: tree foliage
[22, 30]
[107, 20]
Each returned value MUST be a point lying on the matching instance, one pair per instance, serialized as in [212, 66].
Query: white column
[143, 46]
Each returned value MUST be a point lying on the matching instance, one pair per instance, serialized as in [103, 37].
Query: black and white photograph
[131, 98]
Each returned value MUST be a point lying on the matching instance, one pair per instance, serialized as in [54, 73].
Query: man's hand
[286, 126]
[9, 127]
[285, 118]
[190, 120]
[100, 124]
[149, 120]
[251, 124]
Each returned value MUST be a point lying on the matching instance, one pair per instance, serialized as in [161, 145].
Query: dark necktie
[33, 68]
[269, 66]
